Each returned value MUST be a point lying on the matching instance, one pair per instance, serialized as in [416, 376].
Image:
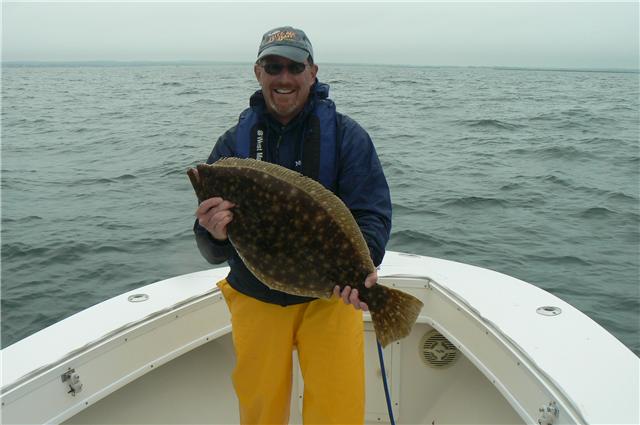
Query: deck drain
[437, 351]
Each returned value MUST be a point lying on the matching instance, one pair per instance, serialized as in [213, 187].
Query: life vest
[319, 144]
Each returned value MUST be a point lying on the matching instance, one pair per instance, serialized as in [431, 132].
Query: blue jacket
[357, 179]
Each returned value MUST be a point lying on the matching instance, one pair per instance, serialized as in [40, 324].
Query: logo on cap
[281, 36]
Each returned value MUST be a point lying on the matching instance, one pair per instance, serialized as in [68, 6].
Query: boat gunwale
[518, 354]
[8, 390]
[463, 280]
[453, 288]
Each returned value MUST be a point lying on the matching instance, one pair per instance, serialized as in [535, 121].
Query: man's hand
[214, 214]
[350, 296]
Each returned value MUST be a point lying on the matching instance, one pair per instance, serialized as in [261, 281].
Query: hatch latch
[72, 379]
[548, 413]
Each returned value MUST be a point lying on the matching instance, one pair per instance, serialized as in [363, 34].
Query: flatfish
[296, 236]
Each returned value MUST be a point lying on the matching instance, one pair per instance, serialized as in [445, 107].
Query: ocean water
[528, 172]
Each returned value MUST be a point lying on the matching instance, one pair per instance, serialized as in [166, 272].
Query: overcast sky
[527, 34]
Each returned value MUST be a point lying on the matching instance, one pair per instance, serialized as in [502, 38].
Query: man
[292, 122]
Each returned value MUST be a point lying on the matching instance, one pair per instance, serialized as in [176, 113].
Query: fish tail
[393, 312]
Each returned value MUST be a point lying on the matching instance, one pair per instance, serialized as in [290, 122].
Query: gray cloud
[543, 34]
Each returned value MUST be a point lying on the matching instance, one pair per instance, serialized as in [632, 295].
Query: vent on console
[437, 351]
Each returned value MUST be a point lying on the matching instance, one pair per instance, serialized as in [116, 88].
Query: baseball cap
[288, 42]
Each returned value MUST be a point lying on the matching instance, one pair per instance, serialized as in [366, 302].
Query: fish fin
[195, 182]
[395, 314]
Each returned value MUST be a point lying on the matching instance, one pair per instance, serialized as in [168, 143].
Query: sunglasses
[274, 68]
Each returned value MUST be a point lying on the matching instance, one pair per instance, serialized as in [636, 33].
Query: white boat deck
[520, 359]
[569, 349]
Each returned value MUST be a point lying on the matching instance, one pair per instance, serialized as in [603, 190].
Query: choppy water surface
[531, 173]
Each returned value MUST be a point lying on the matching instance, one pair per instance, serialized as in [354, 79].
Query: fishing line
[386, 386]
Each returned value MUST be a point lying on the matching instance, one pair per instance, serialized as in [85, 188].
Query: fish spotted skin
[298, 237]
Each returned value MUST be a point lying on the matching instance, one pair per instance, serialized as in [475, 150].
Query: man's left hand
[351, 296]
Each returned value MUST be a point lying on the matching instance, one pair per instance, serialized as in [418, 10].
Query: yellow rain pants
[329, 336]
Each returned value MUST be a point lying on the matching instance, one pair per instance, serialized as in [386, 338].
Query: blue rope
[386, 386]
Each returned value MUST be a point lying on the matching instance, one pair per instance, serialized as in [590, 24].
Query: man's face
[285, 93]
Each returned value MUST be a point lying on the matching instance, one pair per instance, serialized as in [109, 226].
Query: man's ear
[257, 70]
[314, 71]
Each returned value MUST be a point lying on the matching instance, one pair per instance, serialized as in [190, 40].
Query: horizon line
[220, 62]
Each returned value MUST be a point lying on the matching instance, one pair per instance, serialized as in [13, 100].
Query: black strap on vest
[311, 149]
[310, 146]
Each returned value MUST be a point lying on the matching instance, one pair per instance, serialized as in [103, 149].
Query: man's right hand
[214, 214]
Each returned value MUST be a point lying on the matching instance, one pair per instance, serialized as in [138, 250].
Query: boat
[487, 349]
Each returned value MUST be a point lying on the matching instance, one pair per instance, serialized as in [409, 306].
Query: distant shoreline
[44, 64]
[516, 68]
